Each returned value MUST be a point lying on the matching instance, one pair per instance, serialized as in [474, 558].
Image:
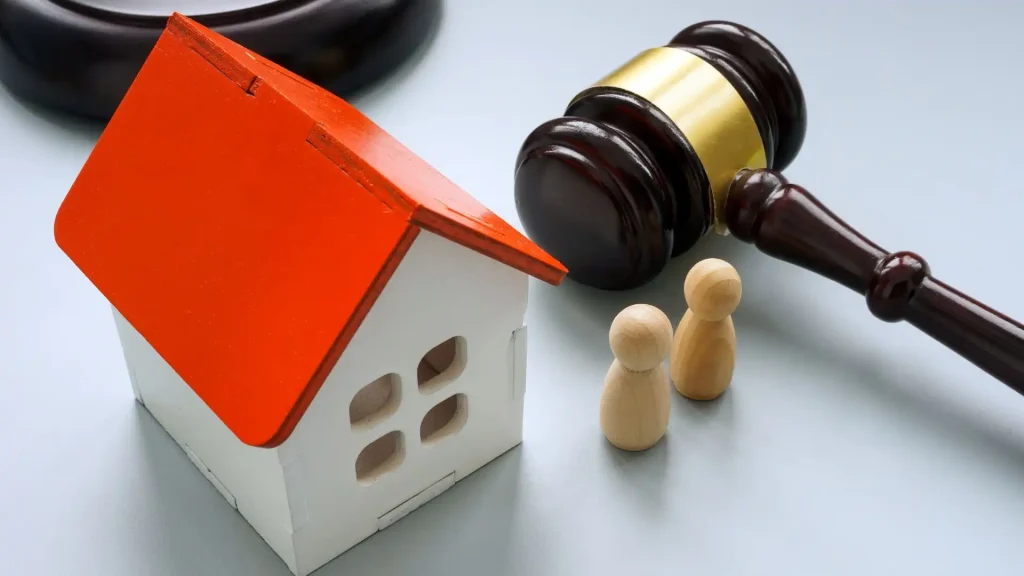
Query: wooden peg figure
[636, 399]
[704, 346]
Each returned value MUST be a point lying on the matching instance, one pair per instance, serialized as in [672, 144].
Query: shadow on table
[185, 525]
[481, 525]
[640, 477]
[188, 528]
[915, 391]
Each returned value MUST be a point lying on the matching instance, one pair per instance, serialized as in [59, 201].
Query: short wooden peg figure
[636, 399]
[704, 346]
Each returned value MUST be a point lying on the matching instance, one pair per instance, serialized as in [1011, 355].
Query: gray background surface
[845, 446]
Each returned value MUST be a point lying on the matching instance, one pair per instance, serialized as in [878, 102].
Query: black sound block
[80, 56]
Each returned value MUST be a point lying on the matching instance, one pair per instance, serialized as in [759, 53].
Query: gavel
[691, 138]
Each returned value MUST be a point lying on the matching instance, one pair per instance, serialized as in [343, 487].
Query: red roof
[244, 221]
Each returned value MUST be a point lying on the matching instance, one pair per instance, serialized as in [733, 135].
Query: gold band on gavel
[705, 106]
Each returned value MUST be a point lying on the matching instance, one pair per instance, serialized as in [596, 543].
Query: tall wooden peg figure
[704, 346]
[636, 399]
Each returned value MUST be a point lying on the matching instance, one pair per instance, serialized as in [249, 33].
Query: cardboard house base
[331, 330]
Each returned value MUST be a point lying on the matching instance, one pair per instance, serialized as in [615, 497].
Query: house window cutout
[375, 402]
[442, 364]
[380, 457]
[444, 419]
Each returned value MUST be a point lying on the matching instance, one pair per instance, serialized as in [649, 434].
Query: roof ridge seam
[335, 152]
[193, 39]
[387, 207]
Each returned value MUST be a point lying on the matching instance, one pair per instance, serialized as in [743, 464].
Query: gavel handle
[787, 222]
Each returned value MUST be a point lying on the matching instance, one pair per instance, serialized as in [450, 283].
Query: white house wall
[249, 478]
[439, 290]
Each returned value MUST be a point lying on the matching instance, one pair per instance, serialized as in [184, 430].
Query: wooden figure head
[713, 289]
[640, 337]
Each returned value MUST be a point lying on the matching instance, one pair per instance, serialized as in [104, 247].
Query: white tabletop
[845, 445]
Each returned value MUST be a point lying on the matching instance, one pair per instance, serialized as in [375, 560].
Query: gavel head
[638, 168]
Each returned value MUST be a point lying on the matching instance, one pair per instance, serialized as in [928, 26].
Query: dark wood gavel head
[637, 169]
[692, 137]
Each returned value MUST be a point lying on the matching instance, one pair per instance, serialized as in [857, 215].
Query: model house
[331, 330]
